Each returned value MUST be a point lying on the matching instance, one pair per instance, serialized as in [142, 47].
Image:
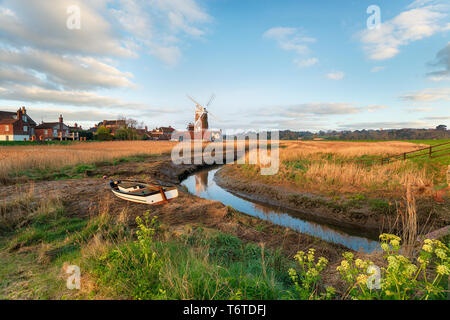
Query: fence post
[429, 155]
[404, 156]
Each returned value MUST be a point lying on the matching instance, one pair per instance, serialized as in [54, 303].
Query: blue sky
[301, 65]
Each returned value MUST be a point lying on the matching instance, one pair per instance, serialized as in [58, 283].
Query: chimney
[24, 111]
[18, 113]
[61, 125]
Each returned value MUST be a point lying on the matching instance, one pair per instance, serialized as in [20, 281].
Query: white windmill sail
[200, 113]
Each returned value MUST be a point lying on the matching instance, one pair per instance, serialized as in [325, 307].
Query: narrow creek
[202, 184]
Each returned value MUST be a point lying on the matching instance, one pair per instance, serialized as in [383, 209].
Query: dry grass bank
[14, 159]
[331, 167]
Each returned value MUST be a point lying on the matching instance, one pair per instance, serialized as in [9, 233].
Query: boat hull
[152, 199]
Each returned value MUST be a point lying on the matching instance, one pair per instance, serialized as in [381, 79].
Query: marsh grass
[63, 160]
[332, 167]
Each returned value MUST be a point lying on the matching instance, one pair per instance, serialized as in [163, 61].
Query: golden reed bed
[17, 158]
[303, 165]
[327, 174]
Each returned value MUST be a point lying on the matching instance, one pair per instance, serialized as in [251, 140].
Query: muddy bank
[85, 197]
[348, 214]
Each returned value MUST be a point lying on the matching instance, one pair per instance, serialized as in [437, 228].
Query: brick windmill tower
[201, 116]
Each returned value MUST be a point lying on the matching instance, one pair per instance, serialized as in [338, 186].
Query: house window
[7, 128]
[46, 132]
[25, 128]
[24, 118]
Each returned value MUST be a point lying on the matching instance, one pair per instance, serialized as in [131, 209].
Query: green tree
[103, 134]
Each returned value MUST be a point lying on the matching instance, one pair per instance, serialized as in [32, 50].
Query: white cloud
[42, 25]
[428, 95]
[418, 22]
[41, 60]
[438, 118]
[385, 125]
[169, 55]
[65, 97]
[374, 107]
[80, 72]
[377, 69]
[316, 110]
[292, 39]
[306, 63]
[161, 26]
[422, 109]
[339, 75]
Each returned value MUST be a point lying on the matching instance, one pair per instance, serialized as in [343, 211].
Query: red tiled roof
[9, 115]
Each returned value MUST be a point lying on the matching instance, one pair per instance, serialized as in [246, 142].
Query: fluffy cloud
[292, 39]
[428, 95]
[339, 75]
[42, 25]
[42, 60]
[423, 109]
[65, 97]
[316, 111]
[67, 71]
[420, 20]
[306, 62]
[374, 108]
[159, 26]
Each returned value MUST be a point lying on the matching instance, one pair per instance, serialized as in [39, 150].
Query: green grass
[202, 265]
[33, 253]
[429, 142]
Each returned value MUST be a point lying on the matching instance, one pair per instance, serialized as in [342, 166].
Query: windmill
[201, 115]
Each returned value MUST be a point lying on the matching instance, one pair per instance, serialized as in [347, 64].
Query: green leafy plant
[401, 279]
[307, 279]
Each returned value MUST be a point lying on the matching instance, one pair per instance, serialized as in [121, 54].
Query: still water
[202, 184]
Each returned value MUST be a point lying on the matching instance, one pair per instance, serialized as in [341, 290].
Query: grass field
[152, 262]
[124, 258]
[331, 167]
[50, 160]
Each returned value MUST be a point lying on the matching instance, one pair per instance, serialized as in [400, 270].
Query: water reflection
[203, 185]
[201, 181]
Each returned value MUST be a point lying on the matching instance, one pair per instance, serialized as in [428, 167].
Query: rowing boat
[143, 192]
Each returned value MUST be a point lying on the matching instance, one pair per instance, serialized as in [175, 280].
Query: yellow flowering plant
[307, 278]
[401, 279]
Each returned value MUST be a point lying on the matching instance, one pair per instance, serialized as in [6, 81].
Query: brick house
[113, 125]
[16, 126]
[53, 130]
[162, 133]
